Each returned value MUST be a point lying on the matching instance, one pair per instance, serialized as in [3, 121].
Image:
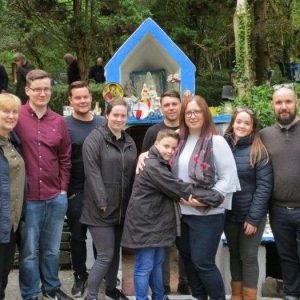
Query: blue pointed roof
[166, 48]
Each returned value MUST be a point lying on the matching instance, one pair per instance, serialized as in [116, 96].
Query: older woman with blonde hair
[12, 180]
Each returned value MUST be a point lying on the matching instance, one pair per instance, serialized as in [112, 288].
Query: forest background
[206, 30]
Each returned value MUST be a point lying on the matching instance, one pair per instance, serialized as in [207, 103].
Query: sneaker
[57, 295]
[80, 284]
[183, 289]
[115, 294]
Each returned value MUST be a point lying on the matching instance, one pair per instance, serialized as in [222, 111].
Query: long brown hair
[258, 149]
[208, 125]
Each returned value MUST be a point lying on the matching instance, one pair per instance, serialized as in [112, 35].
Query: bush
[59, 96]
[260, 101]
[209, 85]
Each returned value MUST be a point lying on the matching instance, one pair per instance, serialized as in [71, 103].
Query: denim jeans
[148, 272]
[39, 249]
[198, 244]
[78, 234]
[285, 224]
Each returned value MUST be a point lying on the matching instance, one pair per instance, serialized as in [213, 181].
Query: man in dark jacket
[3, 80]
[23, 67]
[97, 71]
[73, 69]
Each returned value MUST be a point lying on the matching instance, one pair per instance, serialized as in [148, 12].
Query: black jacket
[3, 79]
[151, 215]
[109, 173]
[22, 71]
[73, 72]
[97, 73]
[251, 203]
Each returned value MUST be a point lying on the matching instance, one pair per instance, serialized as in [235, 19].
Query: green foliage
[59, 96]
[209, 85]
[260, 101]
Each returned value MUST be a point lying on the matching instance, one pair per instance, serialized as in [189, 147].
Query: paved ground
[13, 293]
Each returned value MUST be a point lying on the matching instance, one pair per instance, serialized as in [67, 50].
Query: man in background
[97, 71]
[79, 124]
[23, 67]
[72, 69]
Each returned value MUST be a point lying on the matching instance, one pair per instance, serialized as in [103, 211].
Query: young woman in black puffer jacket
[245, 223]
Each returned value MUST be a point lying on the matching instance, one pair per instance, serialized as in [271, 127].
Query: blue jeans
[198, 244]
[148, 272]
[78, 234]
[285, 224]
[39, 249]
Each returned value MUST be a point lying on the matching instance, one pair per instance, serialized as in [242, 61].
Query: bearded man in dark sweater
[283, 144]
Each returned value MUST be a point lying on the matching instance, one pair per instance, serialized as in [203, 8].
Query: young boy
[153, 214]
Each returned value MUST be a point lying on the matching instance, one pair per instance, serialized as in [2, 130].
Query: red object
[138, 113]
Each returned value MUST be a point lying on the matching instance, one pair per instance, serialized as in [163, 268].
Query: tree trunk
[81, 37]
[262, 58]
[243, 52]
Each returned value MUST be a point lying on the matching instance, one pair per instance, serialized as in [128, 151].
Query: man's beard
[288, 120]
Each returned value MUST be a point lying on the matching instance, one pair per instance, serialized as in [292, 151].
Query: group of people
[23, 66]
[96, 72]
[191, 186]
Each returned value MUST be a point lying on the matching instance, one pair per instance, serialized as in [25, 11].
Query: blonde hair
[9, 101]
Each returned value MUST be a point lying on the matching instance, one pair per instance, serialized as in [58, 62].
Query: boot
[249, 293]
[236, 290]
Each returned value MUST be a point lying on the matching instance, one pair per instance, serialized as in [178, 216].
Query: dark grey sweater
[283, 146]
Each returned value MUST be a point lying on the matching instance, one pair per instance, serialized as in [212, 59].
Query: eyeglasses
[245, 109]
[196, 113]
[276, 87]
[39, 90]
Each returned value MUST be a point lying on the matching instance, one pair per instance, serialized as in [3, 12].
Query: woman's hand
[191, 202]
[249, 229]
[141, 162]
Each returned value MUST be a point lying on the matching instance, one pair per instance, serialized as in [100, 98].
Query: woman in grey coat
[109, 156]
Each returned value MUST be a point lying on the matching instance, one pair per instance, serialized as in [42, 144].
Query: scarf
[201, 167]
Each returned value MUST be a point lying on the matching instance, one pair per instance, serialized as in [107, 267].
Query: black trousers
[7, 253]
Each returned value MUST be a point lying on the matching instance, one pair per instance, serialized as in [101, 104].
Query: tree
[244, 60]
[85, 27]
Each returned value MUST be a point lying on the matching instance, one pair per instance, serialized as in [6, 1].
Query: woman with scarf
[12, 181]
[245, 223]
[205, 158]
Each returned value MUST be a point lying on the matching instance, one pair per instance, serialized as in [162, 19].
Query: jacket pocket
[113, 191]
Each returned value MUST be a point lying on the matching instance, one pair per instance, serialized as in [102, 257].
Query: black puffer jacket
[251, 203]
[109, 174]
[151, 215]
